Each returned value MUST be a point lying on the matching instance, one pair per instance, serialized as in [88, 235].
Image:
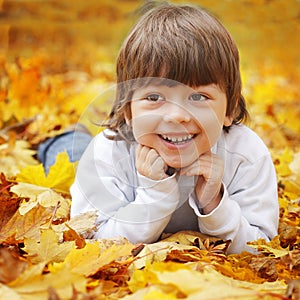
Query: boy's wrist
[213, 204]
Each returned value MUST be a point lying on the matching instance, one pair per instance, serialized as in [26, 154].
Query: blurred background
[62, 53]
[79, 33]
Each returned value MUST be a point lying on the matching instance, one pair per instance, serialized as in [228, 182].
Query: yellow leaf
[81, 261]
[273, 247]
[206, 283]
[90, 259]
[35, 286]
[43, 196]
[282, 162]
[13, 159]
[48, 249]
[26, 226]
[60, 176]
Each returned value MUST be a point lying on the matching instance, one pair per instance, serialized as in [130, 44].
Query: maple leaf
[9, 203]
[200, 240]
[14, 157]
[84, 224]
[90, 259]
[48, 249]
[39, 86]
[33, 285]
[28, 225]
[60, 176]
[46, 197]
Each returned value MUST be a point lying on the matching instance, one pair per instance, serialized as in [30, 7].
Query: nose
[176, 113]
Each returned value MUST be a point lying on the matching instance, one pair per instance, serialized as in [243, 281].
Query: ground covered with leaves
[46, 86]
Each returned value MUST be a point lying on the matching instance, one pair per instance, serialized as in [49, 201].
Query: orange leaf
[9, 203]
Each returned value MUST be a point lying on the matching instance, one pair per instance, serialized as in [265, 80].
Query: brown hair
[182, 43]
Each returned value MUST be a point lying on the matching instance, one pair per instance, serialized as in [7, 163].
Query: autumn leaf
[15, 157]
[33, 285]
[46, 197]
[60, 176]
[206, 283]
[48, 249]
[28, 225]
[11, 265]
[199, 240]
[44, 89]
[273, 247]
[9, 202]
[84, 224]
[90, 259]
[72, 235]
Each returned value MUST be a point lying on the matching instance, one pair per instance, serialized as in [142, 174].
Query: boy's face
[179, 122]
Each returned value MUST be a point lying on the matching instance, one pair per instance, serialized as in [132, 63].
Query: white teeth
[179, 140]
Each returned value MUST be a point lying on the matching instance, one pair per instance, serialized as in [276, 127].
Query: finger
[142, 151]
[149, 163]
[212, 169]
[158, 168]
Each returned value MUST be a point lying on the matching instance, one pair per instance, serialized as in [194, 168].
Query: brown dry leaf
[19, 128]
[265, 267]
[48, 249]
[84, 224]
[11, 265]
[42, 86]
[272, 248]
[9, 202]
[72, 235]
[28, 225]
[289, 265]
[184, 243]
[158, 252]
[293, 290]
[200, 240]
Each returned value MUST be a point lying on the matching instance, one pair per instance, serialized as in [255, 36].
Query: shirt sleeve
[248, 211]
[128, 204]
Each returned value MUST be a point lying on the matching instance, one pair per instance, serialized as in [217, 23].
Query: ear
[228, 121]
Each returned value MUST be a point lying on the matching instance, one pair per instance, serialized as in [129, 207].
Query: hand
[210, 169]
[150, 164]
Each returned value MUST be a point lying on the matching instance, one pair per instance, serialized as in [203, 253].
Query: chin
[178, 165]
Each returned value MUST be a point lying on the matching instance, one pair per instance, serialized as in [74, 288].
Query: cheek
[211, 123]
[143, 126]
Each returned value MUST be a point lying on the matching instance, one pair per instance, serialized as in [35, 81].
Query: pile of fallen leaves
[45, 255]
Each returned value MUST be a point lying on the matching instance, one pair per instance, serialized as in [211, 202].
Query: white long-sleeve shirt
[141, 209]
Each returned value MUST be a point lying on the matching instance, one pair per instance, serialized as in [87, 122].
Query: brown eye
[154, 97]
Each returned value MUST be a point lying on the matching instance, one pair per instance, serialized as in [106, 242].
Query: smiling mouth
[177, 140]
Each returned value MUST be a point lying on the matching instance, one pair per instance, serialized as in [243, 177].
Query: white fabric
[131, 205]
